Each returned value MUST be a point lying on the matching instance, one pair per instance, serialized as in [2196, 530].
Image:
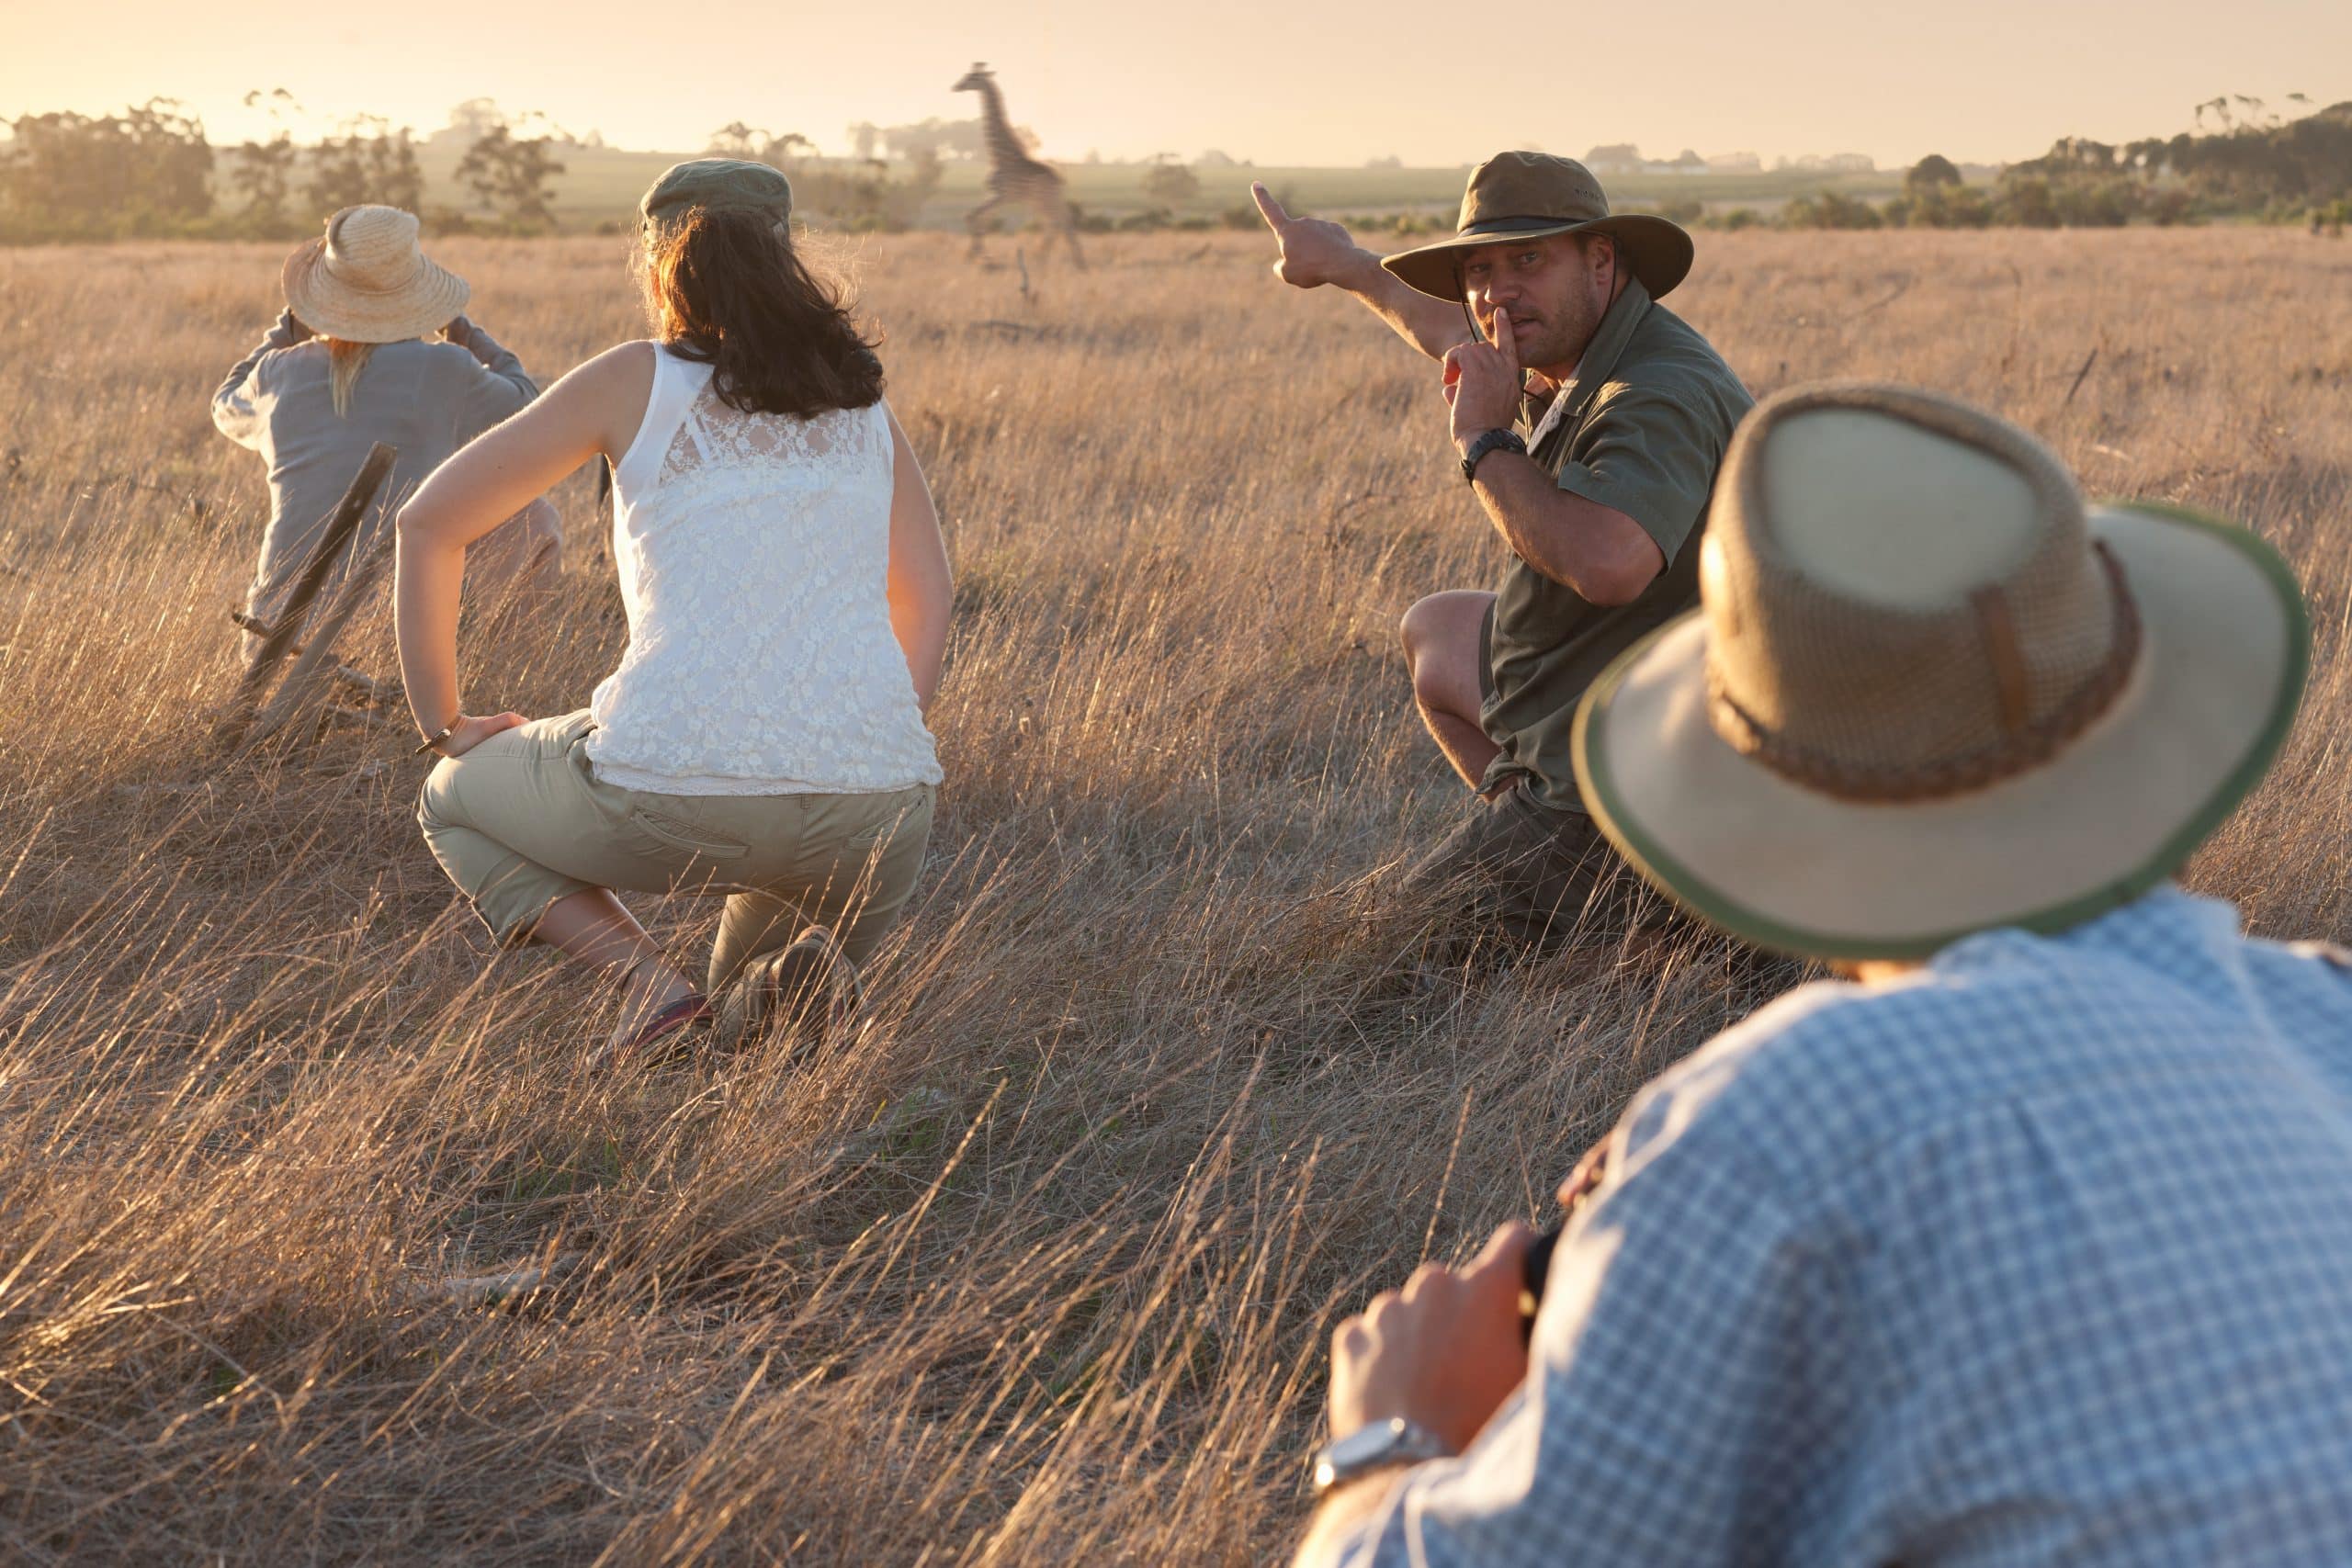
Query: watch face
[1364, 1445]
[1384, 1443]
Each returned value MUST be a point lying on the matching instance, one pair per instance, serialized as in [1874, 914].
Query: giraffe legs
[1054, 212]
[976, 223]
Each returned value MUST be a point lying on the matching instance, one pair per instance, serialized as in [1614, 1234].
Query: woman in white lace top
[788, 596]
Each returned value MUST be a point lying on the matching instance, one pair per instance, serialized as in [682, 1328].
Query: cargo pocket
[689, 837]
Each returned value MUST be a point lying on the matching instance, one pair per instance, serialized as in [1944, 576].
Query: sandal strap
[692, 1008]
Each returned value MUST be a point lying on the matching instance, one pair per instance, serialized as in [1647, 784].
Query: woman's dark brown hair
[728, 289]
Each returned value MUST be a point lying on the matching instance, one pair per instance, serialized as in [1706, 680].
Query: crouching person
[374, 345]
[2026, 1242]
[787, 598]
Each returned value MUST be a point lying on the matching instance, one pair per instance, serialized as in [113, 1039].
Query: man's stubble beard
[1558, 347]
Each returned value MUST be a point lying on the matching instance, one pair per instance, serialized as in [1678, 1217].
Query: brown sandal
[689, 1011]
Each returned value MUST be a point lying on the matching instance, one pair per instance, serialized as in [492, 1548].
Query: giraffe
[1013, 175]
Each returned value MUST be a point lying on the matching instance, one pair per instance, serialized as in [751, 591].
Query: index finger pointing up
[1268, 208]
[1506, 341]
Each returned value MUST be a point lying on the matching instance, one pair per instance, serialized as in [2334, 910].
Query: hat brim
[1657, 251]
[432, 298]
[2227, 650]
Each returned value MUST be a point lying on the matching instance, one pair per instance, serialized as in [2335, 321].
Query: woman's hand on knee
[470, 732]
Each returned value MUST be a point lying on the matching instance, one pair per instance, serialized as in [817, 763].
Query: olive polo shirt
[1647, 417]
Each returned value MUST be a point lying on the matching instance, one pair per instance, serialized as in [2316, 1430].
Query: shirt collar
[1599, 362]
[2184, 929]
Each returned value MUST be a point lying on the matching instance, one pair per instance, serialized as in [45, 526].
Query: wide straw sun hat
[1929, 694]
[366, 281]
[1527, 196]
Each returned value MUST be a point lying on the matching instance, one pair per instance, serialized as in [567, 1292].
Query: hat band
[1486, 225]
[2027, 745]
[347, 276]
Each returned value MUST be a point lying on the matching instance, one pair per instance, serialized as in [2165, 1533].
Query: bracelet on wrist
[433, 741]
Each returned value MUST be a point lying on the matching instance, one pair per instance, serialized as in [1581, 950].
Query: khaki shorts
[1525, 874]
[522, 821]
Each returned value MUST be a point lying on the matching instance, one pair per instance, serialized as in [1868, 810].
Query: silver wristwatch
[1377, 1447]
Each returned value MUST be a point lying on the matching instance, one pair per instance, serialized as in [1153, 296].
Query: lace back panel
[753, 557]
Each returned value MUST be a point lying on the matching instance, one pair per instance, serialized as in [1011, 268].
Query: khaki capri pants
[522, 821]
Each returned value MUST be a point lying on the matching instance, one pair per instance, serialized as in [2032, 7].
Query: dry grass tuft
[1036, 1268]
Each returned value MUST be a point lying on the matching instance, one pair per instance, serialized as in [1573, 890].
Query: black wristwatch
[1493, 440]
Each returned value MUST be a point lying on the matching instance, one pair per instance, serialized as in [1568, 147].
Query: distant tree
[863, 138]
[2027, 202]
[1934, 172]
[785, 151]
[923, 172]
[510, 172]
[475, 119]
[735, 139]
[1169, 180]
[949, 139]
[367, 162]
[263, 171]
[1830, 209]
[144, 170]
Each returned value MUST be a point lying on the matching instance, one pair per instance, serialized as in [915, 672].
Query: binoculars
[1534, 1267]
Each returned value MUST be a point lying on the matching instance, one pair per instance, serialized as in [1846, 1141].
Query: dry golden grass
[1037, 1269]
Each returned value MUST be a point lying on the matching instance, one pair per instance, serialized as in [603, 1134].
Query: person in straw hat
[1590, 421]
[2027, 1243]
[787, 593]
[349, 364]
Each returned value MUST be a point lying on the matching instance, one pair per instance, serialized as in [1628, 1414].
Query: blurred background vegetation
[150, 171]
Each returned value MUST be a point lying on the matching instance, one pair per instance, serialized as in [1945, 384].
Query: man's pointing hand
[1315, 251]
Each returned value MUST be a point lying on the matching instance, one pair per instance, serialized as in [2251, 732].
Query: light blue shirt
[426, 399]
[2040, 1255]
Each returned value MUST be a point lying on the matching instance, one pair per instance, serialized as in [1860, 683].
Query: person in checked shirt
[2029, 1240]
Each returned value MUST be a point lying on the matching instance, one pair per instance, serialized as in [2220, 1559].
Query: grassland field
[320, 1240]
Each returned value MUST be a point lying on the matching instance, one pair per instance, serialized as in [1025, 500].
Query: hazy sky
[1310, 83]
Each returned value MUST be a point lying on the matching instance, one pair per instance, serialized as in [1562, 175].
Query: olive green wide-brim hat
[1929, 692]
[1530, 195]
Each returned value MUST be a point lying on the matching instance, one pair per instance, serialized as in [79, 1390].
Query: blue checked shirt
[2040, 1255]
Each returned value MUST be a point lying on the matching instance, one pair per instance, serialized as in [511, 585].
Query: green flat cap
[717, 184]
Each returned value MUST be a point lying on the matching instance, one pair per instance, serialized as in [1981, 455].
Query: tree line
[150, 171]
[2252, 164]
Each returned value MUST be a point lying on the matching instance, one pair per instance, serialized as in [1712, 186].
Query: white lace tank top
[753, 552]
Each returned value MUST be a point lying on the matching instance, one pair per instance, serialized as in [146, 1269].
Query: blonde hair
[344, 362]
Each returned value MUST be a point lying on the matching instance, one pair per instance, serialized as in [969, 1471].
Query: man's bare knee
[1422, 629]
[1441, 637]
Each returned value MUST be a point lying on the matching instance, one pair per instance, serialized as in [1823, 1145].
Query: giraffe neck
[1004, 144]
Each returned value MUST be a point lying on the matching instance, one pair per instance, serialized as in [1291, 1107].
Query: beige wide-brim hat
[367, 281]
[1929, 694]
[1528, 195]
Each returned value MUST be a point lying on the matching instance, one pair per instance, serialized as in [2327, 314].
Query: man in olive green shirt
[1590, 421]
